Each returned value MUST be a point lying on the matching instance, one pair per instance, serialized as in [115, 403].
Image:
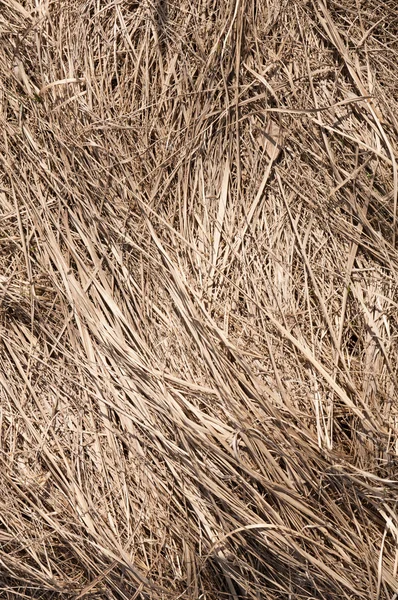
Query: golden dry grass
[198, 299]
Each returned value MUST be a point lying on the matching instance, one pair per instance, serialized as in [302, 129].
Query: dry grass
[198, 299]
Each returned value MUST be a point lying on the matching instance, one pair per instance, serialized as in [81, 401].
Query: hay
[198, 299]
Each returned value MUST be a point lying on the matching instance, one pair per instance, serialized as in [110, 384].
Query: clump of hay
[198, 299]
